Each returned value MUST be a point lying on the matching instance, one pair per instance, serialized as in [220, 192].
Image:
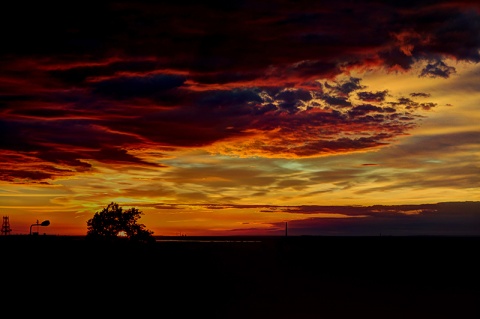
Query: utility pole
[6, 226]
[286, 229]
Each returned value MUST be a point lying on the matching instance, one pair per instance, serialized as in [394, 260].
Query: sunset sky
[235, 117]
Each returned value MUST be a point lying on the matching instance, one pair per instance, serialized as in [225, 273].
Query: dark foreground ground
[272, 277]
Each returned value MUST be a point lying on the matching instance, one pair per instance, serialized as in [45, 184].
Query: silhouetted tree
[114, 224]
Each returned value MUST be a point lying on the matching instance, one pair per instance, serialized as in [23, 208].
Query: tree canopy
[113, 224]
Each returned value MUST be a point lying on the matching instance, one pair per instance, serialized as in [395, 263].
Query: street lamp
[44, 223]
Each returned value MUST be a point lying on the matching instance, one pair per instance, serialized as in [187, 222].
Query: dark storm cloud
[13, 138]
[336, 100]
[226, 77]
[364, 109]
[346, 87]
[410, 104]
[78, 73]
[67, 144]
[26, 176]
[419, 94]
[289, 100]
[428, 32]
[7, 98]
[137, 86]
[394, 58]
[437, 69]
[237, 99]
[70, 159]
[459, 34]
[42, 112]
[210, 36]
[117, 155]
[306, 70]
[260, 74]
[378, 96]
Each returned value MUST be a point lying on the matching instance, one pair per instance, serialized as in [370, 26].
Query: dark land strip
[242, 277]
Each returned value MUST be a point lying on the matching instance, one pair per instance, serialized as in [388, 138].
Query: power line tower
[6, 226]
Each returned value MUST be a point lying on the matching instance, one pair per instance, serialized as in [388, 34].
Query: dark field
[243, 277]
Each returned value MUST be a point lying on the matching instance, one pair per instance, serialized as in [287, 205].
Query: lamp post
[44, 223]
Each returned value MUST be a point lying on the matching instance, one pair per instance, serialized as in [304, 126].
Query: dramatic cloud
[139, 73]
[437, 69]
[372, 96]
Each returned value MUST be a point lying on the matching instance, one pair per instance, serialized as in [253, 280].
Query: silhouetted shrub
[113, 224]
